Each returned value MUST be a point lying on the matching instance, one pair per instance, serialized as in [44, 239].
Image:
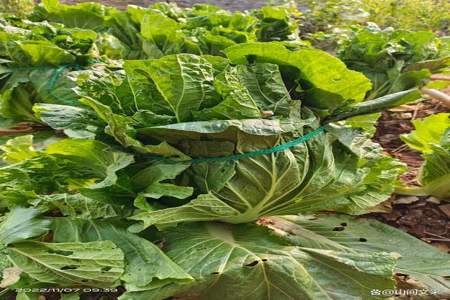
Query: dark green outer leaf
[427, 266]
[80, 206]
[96, 156]
[266, 87]
[151, 181]
[120, 127]
[245, 262]
[237, 101]
[195, 130]
[162, 35]
[96, 264]
[145, 264]
[184, 81]
[21, 224]
[76, 122]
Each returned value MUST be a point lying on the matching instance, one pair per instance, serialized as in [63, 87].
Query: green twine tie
[235, 157]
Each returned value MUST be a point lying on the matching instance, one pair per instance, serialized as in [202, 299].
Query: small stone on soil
[406, 200]
[445, 209]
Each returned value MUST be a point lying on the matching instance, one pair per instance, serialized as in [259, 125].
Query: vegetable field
[288, 151]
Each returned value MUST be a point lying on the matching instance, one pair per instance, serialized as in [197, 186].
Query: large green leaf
[111, 46]
[76, 122]
[266, 87]
[107, 85]
[121, 25]
[365, 122]
[95, 156]
[213, 43]
[55, 85]
[205, 207]
[407, 80]
[40, 53]
[326, 80]
[277, 23]
[162, 35]
[428, 131]
[79, 206]
[18, 149]
[97, 264]
[244, 261]
[434, 174]
[364, 176]
[146, 265]
[425, 266]
[21, 224]
[237, 101]
[16, 100]
[146, 95]
[246, 90]
[185, 82]
[83, 15]
[151, 181]
[16, 187]
[68, 165]
[195, 130]
[120, 127]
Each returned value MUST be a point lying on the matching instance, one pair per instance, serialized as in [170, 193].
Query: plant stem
[377, 105]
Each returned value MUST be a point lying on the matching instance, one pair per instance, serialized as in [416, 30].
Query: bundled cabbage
[201, 123]
[394, 60]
